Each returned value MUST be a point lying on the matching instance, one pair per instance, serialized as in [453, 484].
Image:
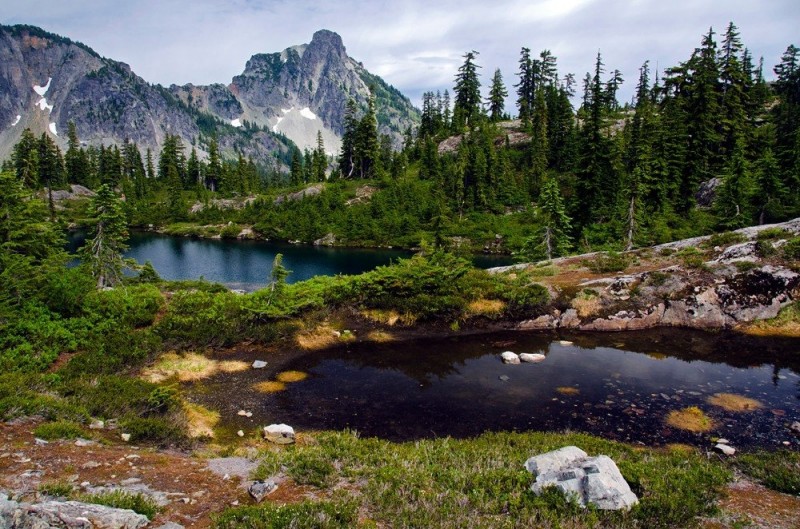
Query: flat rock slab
[67, 515]
[510, 357]
[240, 467]
[589, 480]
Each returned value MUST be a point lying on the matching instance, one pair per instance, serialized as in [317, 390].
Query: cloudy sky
[415, 45]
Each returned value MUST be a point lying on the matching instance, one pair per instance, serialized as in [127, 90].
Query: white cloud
[415, 45]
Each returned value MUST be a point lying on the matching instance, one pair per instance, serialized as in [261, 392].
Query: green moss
[778, 470]
[138, 503]
[59, 430]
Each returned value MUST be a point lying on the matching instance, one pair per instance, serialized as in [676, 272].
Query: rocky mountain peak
[329, 40]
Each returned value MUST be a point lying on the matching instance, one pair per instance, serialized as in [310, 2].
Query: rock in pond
[281, 434]
[259, 364]
[532, 358]
[510, 358]
[261, 489]
[590, 480]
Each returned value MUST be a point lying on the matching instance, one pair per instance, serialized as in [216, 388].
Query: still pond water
[246, 265]
[620, 386]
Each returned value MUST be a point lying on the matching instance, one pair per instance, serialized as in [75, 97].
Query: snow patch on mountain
[42, 90]
[43, 105]
[16, 120]
[306, 113]
[236, 123]
[53, 129]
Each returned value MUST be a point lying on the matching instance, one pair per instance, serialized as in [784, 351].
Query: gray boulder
[281, 434]
[261, 489]
[532, 358]
[66, 515]
[589, 480]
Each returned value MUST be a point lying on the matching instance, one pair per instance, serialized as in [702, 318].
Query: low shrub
[59, 430]
[58, 489]
[307, 514]
[724, 239]
[138, 503]
[779, 470]
[608, 262]
[156, 430]
[791, 250]
[773, 233]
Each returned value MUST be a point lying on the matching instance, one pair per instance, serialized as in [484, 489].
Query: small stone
[786, 443]
[240, 433]
[97, 425]
[259, 364]
[126, 437]
[90, 464]
[510, 357]
[795, 427]
[336, 334]
[241, 413]
[532, 358]
[724, 449]
[281, 434]
[565, 343]
[504, 378]
[261, 489]
[723, 441]
[40, 442]
[83, 443]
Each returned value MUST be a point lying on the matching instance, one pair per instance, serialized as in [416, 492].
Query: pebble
[795, 427]
[83, 443]
[240, 433]
[259, 364]
[504, 378]
[510, 357]
[126, 437]
[565, 343]
[40, 442]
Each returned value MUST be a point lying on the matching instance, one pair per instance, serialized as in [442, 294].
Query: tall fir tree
[467, 106]
[497, 96]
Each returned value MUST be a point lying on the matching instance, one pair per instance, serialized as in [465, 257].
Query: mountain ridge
[280, 100]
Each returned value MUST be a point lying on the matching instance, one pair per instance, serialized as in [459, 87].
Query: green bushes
[157, 430]
[791, 250]
[59, 430]
[778, 470]
[138, 503]
[133, 306]
[306, 515]
[608, 262]
[204, 318]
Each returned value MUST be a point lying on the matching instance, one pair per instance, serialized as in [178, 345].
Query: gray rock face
[66, 515]
[589, 480]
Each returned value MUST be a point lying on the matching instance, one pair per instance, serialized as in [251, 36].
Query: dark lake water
[247, 264]
[623, 386]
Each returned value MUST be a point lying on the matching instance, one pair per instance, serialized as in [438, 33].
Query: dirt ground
[195, 492]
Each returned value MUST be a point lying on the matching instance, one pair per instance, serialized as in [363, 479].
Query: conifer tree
[497, 96]
[539, 146]
[554, 239]
[466, 109]
[214, 167]
[367, 146]
[320, 160]
[734, 196]
[296, 169]
[104, 251]
[525, 87]
[347, 162]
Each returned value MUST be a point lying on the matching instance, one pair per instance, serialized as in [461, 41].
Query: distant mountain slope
[301, 90]
[47, 80]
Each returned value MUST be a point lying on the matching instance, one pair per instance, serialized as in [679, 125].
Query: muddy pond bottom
[619, 386]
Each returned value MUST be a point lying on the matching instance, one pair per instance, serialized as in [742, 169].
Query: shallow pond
[246, 265]
[619, 386]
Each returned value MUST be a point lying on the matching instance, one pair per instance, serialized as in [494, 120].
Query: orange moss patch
[380, 336]
[319, 338]
[486, 307]
[269, 386]
[586, 306]
[732, 402]
[200, 420]
[291, 376]
[691, 419]
[189, 367]
[568, 391]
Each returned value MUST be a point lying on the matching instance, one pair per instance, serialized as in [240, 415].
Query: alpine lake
[622, 386]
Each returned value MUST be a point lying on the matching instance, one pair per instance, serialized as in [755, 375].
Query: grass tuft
[732, 402]
[691, 419]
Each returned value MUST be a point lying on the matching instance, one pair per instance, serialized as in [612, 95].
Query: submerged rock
[259, 364]
[589, 480]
